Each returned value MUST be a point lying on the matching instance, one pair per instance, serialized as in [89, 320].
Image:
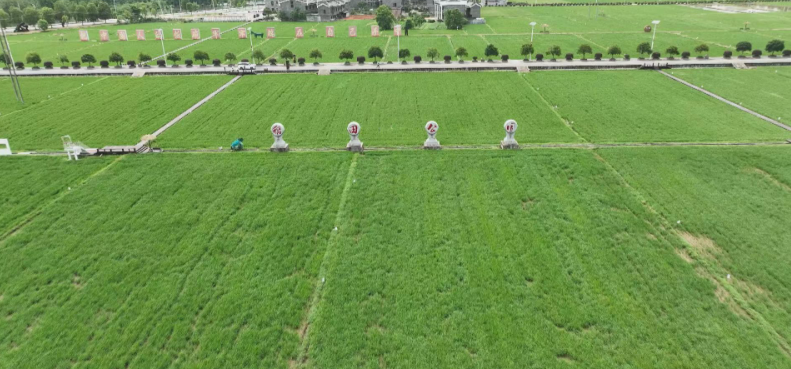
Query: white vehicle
[245, 67]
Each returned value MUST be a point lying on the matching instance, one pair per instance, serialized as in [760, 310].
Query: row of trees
[62, 12]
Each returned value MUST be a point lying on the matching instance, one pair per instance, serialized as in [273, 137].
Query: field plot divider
[192, 108]
[318, 290]
[194, 43]
[731, 103]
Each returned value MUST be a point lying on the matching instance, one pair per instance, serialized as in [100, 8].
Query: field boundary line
[666, 230]
[192, 108]
[33, 214]
[274, 55]
[195, 43]
[587, 40]
[731, 103]
[554, 111]
[60, 94]
[387, 44]
[323, 268]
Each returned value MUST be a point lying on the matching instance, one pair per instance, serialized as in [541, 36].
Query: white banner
[122, 35]
[330, 31]
[242, 32]
[177, 34]
[397, 30]
[104, 35]
[353, 31]
[300, 32]
[195, 34]
[84, 35]
[270, 32]
[215, 33]
[374, 31]
[141, 35]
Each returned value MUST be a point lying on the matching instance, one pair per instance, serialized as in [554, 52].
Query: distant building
[330, 10]
[470, 9]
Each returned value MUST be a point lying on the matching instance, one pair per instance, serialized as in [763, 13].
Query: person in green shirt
[238, 145]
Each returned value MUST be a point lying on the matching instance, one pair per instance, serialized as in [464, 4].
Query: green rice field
[536, 258]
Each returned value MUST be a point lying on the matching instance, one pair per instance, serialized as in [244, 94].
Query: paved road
[411, 66]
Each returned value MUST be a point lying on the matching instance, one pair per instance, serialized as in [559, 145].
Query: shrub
[526, 51]
[403, 54]
[230, 58]
[757, 53]
[48, 64]
[461, 53]
[33, 58]
[75, 64]
[569, 56]
[491, 51]
[702, 48]
[775, 46]
[200, 56]
[644, 48]
[161, 63]
[216, 62]
[655, 55]
[672, 51]
[188, 62]
[131, 63]
[301, 61]
[286, 54]
[504, 58]
[727, 54]
[374, 52]
[613, 51]
[539, 57]
[272, 61]
[743, 46]
[786, 53]
[432, 54]
[597, 56]
[446, 58]
[685, 55]
[142, 57]
[104, 63]
[585, 49]
[315, 54]
[19, 65]
[554, 51]
[346, 55]
[361, 59]
[116, 58]
[173, 57]
[474, 59]
[626, 57]
[63, 59]
[417, 59]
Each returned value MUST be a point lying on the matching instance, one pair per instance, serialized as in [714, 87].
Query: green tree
[403, 54]
[775, 46]
[375, 52]
[432, 53]
[258, 56]
[454, 19]
[64, 20]
[202, 56]
[346, 55]
[173, 57]
[230, 58]
[33, 58]
[461, 53]
[61, 7]
[702, 48]
[585, 49]
[409, 24]
[15, 15]
[384, 17]
[3, 16]
[79, 13]
[47, 14]
[527, 51]
[43, 25]
[31, 15]
[491, 51]
[63, 59]
[315, 54]
[5, 59]
[91, 12]
[613, 51]
[672, 51]
[286, 54]
[744, 46]
[116, 58]
[554, 51]
[644, 48]
[105, 12]
[88, 58]
[417, 19]
[143, 57]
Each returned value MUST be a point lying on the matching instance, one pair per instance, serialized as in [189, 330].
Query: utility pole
[6, 49]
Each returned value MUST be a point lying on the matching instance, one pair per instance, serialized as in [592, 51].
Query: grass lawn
[31, 183]
[391, 107]
[537, 258]
[111, 111]
[644, 106]
[184, 259]
[734, 205]
[38, 90]
[764, 90]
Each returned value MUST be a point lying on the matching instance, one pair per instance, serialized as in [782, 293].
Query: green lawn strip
[391, 107]
[196, 260]
[37, 90]
[515, 259]
[764, 90]
[29, 183]
[733, 205]
[642, 106]
[114, 111]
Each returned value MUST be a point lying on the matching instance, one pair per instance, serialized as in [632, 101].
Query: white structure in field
[73, 150]
[509, 142]
[354, 143]
[5, 148]
[277, 130]
[431, 141]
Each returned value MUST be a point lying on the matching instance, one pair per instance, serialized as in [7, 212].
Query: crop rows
[37, 91]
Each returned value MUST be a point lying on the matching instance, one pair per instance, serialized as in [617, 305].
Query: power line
[11, 67]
